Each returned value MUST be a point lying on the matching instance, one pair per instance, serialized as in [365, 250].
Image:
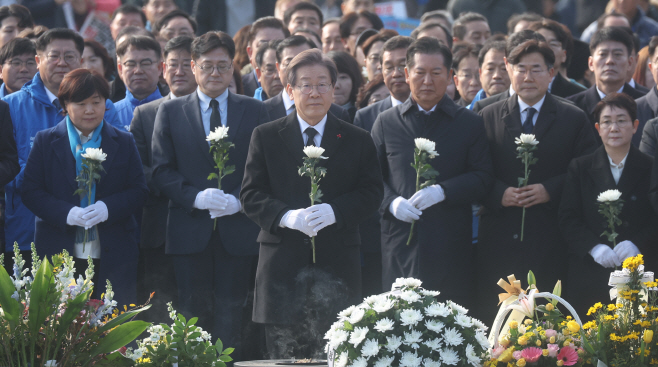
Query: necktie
[527, 124]
[310, 132]
[58, 106]
[215, 119]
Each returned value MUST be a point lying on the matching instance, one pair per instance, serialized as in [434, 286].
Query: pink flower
[550, 333]
[552, 350]
[517, 355]
[568, 356]
[497, 351]
[531, 355]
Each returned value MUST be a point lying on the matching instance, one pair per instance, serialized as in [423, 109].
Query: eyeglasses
[208, 68]
[533, 72]
[19, 63]
[69, 58]
[307, 88]
[144, 64]
[607, 125]
[391, 69]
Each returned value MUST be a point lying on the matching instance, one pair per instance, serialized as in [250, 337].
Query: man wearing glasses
[268, 76]
[276, 198]
[18, 65]
[34, 108]
[139, 68]
[213, 266]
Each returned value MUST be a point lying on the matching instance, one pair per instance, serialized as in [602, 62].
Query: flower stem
[219, 187]
[525, 183]
[313, 191]
[413, 222]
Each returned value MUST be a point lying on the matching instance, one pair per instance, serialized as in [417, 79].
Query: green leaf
[212, 175]
[120, 336]
[225, 358]
[228, 351]
[121, 318]
[40, 308]
[73, 309]
[219, 345]
[10, 306]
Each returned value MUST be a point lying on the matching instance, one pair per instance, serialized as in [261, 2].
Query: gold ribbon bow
[513, 288]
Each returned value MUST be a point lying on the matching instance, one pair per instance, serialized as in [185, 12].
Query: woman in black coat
[617, 165]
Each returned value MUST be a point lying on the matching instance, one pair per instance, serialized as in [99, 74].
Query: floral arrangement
[406, 327]
[622, 333]
[219, 147]
[527, 144]
[610, 205]
[182, 344]
[309, 169]
[425, 149]
[48, 319]
[537, 335]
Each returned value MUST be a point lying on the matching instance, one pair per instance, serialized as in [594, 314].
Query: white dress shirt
[288, 103]
[617, 169]
[395, 102]
[421, 109]
[524, 109]
[602, 95]
[206, 110]
[303, 125]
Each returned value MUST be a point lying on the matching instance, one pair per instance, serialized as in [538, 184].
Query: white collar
[632, 82]
[620, 165]
[87, 138]
[511, 90]
[287, 102]
[205, 100]
[537, 106]
[602, 95]
[50, 95]
[395, 102]
[319, 127]
[173, 96]
[550, 85]
[421, 109]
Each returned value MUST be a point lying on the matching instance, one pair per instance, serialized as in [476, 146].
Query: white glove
[402, 209]
[210, 199]
[233, 206]
[97, 213]
[604, 256]
[322, 215]
[626, 249]
[75, 216]
[295, 219]
[427, 197]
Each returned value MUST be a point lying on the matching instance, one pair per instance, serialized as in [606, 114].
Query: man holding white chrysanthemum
[617, 175]
[290, 161]
[427, 231]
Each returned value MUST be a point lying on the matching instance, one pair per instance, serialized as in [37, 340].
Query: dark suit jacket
[182, 163]
[366, 116]
[154, 215]
[9, 167]
[641, 88]
[582, 224]
[272, 186]
[649, 137]
[563, 134]
[444, 231]
[564, 88]
[250, 84]
[647, 109]
[277, 110]
[481, 104]
[48, 193]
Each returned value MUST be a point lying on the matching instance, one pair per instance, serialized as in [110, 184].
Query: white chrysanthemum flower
[482, 339]
[410, 296]
[95, 154]
[338, 325]
[337, 338]
[431, 363]
[345, 314]
[434, 325]
[370, 348]
[449, 356]
[426, 292]
[472, 356]
[426, 145]
[479, 324]
[410, 317]
[609, 195]
[359, 362]
[357, 315]
[434, 344]
[383, 305]
[456, 307]
[220, 133]
[526, 139]
[407, 282]
[50, 363]
[384, 325]
[452, 337]
[409, 359]
[393, 343]
[437, 309]
[463, 320]
[413, 338]
[370, 300]
[358, 335]
[312, 151]
[341, 361]
[385, 362]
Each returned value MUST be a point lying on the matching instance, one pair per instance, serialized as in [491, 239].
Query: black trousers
[213, 286]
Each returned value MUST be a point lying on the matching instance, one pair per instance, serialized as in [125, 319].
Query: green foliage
[611, 211]
[425, 171]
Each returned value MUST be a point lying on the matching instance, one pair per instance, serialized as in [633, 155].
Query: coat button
[633, 197]
[516, 236]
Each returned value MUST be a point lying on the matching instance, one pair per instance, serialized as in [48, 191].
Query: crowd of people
[150, 88]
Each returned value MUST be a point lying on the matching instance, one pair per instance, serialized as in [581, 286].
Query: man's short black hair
[562, 34]
[427, 26]
[182, 43]
[139, 43]
[653, 43]
[396, 43]
[437, 14]
[20, 12]
[176, 13]
[211, 41]
[16, 47]
[635, 38]
[470, 50]
[348, 20]
[488, 46]
[134, 31]
[287, 16]
[260, 54]
[311, 32]
[60, 34]
[428, 46]
[308, 58]
[266, 22]
[129, 9]
[292, 41]
[459, 26]
[611, 34]
[529, 47]
[520, 37]
[526, 17]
